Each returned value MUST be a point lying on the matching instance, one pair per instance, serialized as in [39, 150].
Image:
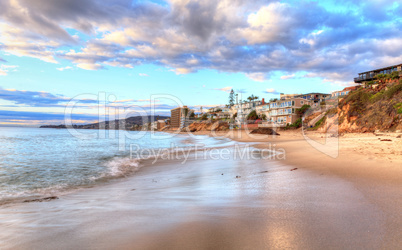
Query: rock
[386, 140]
[399, 136]
[264, 131]
[238, 176]
[293, 169]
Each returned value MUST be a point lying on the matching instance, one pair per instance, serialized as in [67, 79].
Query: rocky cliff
[375, 108]
[207, 126]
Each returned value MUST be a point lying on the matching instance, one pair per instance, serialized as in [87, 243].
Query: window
[301, 102]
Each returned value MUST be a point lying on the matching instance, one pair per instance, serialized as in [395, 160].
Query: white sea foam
[119, 167]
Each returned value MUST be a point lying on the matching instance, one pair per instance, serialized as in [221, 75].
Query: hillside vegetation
[368, 109]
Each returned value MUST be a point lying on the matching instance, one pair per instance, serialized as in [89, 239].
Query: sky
[61, 56]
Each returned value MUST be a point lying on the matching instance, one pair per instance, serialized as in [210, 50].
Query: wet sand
[349, 202]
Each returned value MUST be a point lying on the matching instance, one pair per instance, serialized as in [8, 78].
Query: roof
[313, 93]
[351, 88]
[389, 67]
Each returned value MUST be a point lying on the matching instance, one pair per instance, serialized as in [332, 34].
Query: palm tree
[252, 98]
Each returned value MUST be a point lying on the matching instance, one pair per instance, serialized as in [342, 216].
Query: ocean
[41, 162]
[111, 199]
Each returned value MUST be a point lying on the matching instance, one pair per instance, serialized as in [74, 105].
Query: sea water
[40, 162]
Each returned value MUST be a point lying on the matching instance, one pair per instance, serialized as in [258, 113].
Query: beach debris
[43, 199]
[238, 176]
[293, 169]
[399, 136]
[222, 174]
[133, 189]
[386, 140]
[264, 172]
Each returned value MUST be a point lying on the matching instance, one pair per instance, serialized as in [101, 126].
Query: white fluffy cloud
[64, 68]
[254, 37]
[271, 91]
[285, 77]
[5, 69]
[225, 89]
[257, 76]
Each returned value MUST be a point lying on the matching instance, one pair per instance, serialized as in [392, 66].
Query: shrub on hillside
[380, 76]
[296, 124]
[252, 115]
[320, 122]
[398, 108]
[394, 75]
[303, 109]
[358, 96]
[394, 89]
[377, 97]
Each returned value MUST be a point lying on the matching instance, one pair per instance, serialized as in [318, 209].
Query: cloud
[258, 76]
[89, 66]
[44, 116]
[64, 68]
[256, 38]
[5, 69]
[285, 77]
[242, 91]
[182, 71]
[142, 74]
[271, 91]
[37, 98]
[225, 89]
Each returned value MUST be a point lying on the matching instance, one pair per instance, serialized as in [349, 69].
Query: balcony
[364, 78]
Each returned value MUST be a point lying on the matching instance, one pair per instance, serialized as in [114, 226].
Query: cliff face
[368, 110]
[207, 126]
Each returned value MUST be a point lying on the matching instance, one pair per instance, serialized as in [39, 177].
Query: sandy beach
[306, 201]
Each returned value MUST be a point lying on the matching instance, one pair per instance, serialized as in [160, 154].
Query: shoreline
[372, 166]
[202, 204]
